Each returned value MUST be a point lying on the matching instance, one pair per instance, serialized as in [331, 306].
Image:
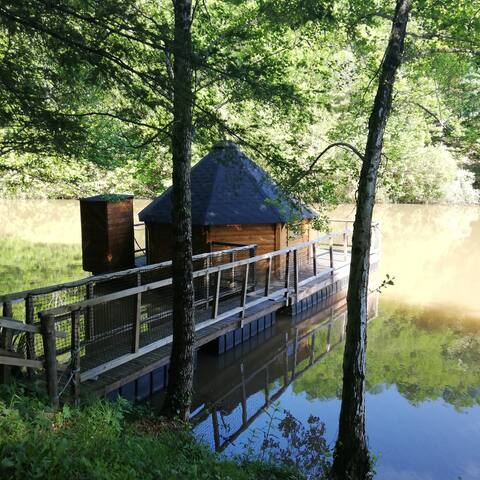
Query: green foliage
[107, 441]
[284, 79]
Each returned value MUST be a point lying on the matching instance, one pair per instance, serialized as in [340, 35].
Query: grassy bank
[104, 440]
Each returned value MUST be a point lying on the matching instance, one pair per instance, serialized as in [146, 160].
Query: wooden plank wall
[268, 237]
[160, 245]
[263, 235]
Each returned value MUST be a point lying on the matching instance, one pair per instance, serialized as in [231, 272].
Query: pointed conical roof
[229, 188]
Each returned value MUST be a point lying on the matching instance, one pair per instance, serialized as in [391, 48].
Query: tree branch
[345, 145]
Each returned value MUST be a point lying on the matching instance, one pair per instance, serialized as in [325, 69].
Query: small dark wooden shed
[233, 200]
[107, 233]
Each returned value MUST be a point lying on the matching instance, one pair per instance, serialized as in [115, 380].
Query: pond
[423, 366]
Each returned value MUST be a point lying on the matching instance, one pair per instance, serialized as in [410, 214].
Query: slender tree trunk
[351, 457]
[179, 390]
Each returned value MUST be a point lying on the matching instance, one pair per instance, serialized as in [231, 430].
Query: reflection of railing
[285, 365]
[286, 362]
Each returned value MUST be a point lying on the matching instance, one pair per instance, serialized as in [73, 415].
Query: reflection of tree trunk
[178, 399]
[351, 458]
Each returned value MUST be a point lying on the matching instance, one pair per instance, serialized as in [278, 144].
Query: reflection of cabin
[233, 200]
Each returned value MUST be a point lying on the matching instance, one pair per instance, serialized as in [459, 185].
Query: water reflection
[228, 408]
[423, 389]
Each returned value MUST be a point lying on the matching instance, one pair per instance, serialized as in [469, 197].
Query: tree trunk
[179, 390]
[351, 456]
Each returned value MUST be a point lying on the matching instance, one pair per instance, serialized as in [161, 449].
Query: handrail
[18, 296]
[285, 291]
[64, 309]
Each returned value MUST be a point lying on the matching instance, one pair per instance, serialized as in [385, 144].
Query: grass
[103, 440]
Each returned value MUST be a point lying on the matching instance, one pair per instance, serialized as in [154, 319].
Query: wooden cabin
[234, 201]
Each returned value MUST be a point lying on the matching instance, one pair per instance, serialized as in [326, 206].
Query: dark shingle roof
[228, 188]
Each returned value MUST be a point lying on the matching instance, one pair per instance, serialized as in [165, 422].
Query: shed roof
[229, 188]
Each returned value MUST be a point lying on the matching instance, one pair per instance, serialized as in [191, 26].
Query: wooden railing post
[207, 286]
[295, 271]
[314, 255]
[89, 330]
[137, 318]
[345, 244]
[330, 251]
[287, 274]
[245, 289]
[232, 274]
[75, 355]
[6, 338]
[217, 294]
[268, 277]
[253, 253]
[29, 320]
[50, 347]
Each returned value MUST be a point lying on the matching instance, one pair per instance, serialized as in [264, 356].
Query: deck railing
[23, 307]
[119, 317]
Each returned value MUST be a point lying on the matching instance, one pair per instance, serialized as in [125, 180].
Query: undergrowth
[103, 440]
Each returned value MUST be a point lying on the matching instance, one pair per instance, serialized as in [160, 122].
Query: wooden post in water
[295, 352]
[49, 345]
[329, 331]
[285, 373]
[267, 389]
[312, 351]
[216, 430]
[6, 342]
[75, 356]
[244, 396]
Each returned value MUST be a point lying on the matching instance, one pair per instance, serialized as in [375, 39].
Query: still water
[423, 378]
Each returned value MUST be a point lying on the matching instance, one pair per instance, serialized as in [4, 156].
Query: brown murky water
[423, 379]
